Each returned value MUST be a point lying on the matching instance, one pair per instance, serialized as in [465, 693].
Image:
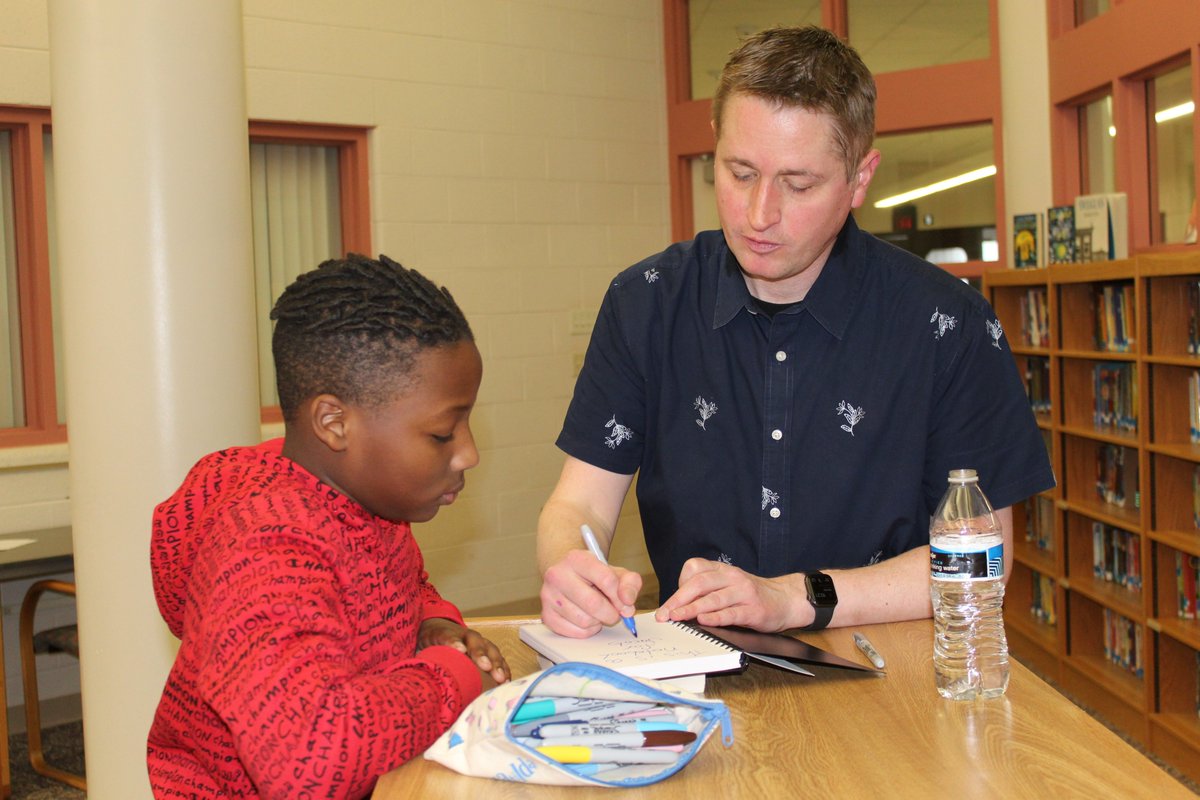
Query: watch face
[820, 589]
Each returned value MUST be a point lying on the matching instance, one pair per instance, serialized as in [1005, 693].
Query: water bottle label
[951, 565]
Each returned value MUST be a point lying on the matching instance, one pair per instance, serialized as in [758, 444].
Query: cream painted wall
[518, 155]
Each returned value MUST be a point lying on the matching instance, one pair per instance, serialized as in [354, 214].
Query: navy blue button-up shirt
[820, 437]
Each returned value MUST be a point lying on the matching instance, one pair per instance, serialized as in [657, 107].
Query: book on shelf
[1101, 227]
[1123, 642]
[1039, 522]
[1193, 317]
[1035, 318]
[1116, 556]
[1115, 394]
[1028, 238]
[1115, 316]
[1042, 598]
[661, 650]
[1036, 378]
[1187, 576]
[1060, 235]
[1117, 476]
[1194, 406]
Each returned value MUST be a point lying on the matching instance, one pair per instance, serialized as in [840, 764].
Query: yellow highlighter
[579, 754]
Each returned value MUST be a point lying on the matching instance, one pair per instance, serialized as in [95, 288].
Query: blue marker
[589, 539]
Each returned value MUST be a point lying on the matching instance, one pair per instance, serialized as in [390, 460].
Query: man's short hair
[352, 327]
[809, 68]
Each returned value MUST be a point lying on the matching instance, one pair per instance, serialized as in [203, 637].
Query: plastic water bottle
[966, 554]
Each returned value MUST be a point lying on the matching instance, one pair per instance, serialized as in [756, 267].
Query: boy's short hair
[809, 68]
[351, 328]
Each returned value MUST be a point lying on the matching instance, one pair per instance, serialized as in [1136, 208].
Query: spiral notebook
[661, 650]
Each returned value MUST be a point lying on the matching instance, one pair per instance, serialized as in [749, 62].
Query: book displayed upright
[1101, 227]
[1060, 235]
[1027, 240]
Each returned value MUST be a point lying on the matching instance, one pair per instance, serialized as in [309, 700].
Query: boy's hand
[487, 656]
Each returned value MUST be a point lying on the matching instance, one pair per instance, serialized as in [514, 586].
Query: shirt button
[777, 434]
[775, 512]
[780, 356]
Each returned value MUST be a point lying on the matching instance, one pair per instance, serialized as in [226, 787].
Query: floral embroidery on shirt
[724, 558]
[996, 332]
[875, 559]
[945, 322]
[651, 275]
[851, 414]
[619, 434]
[706, 409]
[769, 498]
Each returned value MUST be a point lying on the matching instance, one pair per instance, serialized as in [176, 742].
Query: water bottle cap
[963, 476]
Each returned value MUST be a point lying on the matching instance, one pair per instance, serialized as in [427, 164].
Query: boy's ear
[327, 416]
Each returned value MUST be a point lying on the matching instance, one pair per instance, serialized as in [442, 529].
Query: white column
[151, 162]
[1025, 104]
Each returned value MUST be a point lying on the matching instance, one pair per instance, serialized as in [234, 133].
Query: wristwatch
[823, 597]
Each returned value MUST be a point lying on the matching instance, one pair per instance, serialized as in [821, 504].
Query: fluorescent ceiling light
[1181, 110]
[940, 186]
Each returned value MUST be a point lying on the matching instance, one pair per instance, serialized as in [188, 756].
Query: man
[792, 392]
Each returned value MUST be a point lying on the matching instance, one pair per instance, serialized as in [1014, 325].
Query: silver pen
[868, 650]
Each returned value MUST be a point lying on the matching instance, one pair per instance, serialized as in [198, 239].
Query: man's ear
[327, 416]
[866, 171]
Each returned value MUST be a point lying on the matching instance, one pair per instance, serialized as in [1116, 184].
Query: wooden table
[849, 735]
[49, 553]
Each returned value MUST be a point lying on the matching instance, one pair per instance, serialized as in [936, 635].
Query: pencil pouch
[494, 737]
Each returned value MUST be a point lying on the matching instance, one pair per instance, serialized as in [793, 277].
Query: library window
[1090, 9]
[1172, 163]
[892, 35]
[1097, 135]
[308, 189]
[309, 203]
[717, 27]
[934, 194]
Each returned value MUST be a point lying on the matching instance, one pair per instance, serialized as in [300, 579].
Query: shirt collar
[831, 300]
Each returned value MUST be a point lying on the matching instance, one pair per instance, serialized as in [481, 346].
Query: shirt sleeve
[605, 425]
[982, 419]
[279, 668]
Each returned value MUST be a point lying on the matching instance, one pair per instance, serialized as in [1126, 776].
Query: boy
[314, 653]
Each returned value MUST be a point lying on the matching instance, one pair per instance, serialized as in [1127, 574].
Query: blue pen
[589, 539]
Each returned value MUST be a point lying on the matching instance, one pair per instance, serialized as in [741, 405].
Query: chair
[63, 639]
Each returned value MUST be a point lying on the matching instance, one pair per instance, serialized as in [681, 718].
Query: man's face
[407, 457]
[782, 193]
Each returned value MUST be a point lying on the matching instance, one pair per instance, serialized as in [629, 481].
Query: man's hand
[719, 594]
[487, 657]
[580, 595]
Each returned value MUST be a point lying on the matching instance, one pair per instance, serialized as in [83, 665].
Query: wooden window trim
[27, 126]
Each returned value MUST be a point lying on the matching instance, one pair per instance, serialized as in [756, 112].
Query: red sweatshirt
[297, 674]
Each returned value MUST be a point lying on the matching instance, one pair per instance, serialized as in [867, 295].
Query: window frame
[353, 179]
[1139, 39]
[27, 126]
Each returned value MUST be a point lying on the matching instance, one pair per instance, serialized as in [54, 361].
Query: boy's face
[406, 458]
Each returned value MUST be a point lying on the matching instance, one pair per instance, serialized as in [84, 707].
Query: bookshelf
[1094, 600]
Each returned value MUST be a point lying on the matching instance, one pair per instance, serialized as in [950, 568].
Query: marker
[557, 730]
[589, 539]
[572, 754]
[868, 650]
[572, 708]
[648, 739]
